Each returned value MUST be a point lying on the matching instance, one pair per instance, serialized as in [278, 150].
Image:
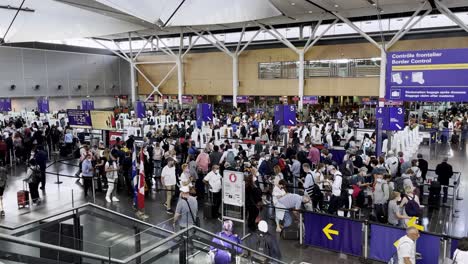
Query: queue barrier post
[301, 229]
[56, 172]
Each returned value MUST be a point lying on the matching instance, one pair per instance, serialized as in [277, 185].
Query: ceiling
[113, 19]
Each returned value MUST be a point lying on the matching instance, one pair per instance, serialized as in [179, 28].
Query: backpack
[262, 245]
[412, 208]
[35, 176]
[344, 169]
[314, 192]
[399, 185]
[230, 159]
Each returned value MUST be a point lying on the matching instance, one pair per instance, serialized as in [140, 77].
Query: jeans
[445, 189]
[216, 203]
[87, 184]
[287, 220]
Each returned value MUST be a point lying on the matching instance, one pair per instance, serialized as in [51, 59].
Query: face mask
[187, 171]
[322, 170]
[379, 180]
[267, 158]
[254, 179]
[216, 171]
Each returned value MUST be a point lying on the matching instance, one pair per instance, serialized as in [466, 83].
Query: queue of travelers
[281, 177]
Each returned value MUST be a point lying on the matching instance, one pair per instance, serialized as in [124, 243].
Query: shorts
[2, 189]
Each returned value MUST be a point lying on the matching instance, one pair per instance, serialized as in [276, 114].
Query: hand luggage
[290, 232]
[23, 196]
[434, 194]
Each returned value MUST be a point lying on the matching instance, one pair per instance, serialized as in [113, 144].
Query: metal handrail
[196, 228]
[32, 243]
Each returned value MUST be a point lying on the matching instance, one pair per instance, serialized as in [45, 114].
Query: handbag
[196, 221]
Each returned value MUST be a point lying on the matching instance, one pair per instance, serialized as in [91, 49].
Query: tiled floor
[61, 197]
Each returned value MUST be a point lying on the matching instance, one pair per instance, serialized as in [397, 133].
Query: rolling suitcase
[290, 233]
[208, 207]
[23, 196]
[434, 194]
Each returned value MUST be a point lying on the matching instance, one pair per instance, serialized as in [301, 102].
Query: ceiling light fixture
[293, 3]
[336, 6]
[310, 12]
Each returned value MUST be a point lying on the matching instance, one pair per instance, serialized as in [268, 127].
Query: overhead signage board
[233, 188]
[5, 104]
[382, 114]
[427, 75]
[279, 110]
[140, 109]
[103, 120]
[396, 121]
[87, 104]
[79, 118]
[289, 115]
[43, 105]
[337, 234]
[310, 100]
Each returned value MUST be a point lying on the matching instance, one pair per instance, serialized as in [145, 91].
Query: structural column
[301, 79]
[383, 67]
[180, 78]
[133, 81]
[235, 79]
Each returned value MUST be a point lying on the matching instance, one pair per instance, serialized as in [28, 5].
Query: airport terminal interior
[246, 131]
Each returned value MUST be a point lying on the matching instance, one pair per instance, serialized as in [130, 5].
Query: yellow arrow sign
[328, 232]
[412, 222]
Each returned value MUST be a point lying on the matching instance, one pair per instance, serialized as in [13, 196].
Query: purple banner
[382, 113]
[87, 105]
[427, 75]
[227, 99]
[204, 113]
[396, 120]
[279, 115]
[289, 115]
[187, 99]
[199, 115]
[140, 109]
[242, 99]
[310, 100]
[338, 234]
[43, 105]
[5, 104]
[79, 118]
[382, 239]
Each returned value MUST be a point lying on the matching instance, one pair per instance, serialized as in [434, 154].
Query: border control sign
[233, 188]
[427, 75]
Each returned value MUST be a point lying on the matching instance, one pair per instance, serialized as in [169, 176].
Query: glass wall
[320, 68]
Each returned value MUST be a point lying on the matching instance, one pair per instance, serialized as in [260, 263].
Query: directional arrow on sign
[412, 223]
[397, 125]
[328, 231]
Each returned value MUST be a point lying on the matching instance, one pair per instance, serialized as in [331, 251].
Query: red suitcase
[23, 196]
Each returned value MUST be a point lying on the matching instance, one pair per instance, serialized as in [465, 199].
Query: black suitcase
[208, 208]
[434, 194]
[290, 233]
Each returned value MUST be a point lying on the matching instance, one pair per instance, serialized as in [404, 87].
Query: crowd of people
[282, 177]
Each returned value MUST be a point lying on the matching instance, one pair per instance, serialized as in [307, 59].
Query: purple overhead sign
[427, 75]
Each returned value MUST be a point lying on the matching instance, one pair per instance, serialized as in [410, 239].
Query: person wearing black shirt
[130, 141]
[424, 167]
[253, 197]
[444, 172]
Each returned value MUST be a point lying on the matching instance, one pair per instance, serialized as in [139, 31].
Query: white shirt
[214, 179]
[460, 256]
[336, 186]
[112, 174]
[406, 248]
[168, 176]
